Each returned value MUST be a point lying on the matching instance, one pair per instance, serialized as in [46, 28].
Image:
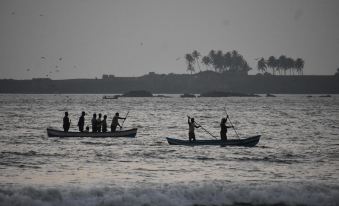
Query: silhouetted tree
[272, 63]
[206, 60]
[212, 56]
[282, 64]
[290, 65]
[299, 65]
[261, 65]
[227, 59]
[189, 60]
[196, 55]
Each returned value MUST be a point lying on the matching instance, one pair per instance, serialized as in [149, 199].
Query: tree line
[231, 62]
[281, 65]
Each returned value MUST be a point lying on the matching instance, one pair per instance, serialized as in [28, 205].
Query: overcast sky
[84, 39]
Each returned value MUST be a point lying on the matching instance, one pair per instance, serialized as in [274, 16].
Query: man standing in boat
[66, 122]
[81, 122]
[223, 129]
[94, 123]
[192, 125]
[99, 123]
[115, 122]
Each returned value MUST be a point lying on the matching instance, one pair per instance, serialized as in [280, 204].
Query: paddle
[203, 128]
[124, 120]
[227, 116]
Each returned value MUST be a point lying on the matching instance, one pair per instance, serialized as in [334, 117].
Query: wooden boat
[111, 97]
[246, 142]
[119, 133]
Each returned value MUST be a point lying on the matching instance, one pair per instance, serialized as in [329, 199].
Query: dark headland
[179, 84]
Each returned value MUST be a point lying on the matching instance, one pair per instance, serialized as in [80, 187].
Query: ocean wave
[171, 195]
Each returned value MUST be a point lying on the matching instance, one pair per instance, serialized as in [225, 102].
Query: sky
[67, 39]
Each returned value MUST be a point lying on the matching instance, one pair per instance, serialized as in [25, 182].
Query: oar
[227, 116]
[203, 128]
[124, 120]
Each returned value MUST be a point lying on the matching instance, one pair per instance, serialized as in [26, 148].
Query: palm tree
[299, 65]
[227, 59]
[282, 64]
[206, 60]
[272, 63]
[212, 57]
[236, 60]
[262, 65]
[290, 64]
[219, 61]
[189, 60]
[196, 55]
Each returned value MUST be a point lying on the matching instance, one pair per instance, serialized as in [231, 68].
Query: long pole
[124, 119]
[231, 122]
[204, 129]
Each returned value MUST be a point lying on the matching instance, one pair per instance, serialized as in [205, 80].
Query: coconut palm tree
[282, 64]
[212, 56]
[236, 59]
[196, 55]
[189, 61]
[261, 65]
[290, 65]
[219, 61]
[272, 63]
[227, 59]
[206, 60]
[299, 65]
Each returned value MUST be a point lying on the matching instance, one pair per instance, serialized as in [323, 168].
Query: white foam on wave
[171, 195]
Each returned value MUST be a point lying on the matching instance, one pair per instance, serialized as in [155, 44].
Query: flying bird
[60, 59]
[177, 58]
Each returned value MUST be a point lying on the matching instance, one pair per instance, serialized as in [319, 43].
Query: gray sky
[85, 39]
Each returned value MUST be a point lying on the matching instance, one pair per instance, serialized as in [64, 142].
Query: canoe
[246, 142]
[119, 133]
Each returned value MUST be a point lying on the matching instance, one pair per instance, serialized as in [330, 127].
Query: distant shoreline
[179, 84]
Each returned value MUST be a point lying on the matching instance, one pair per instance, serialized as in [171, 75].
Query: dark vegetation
[181, 83]
[234, 63]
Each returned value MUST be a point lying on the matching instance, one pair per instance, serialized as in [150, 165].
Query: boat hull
[120, 133]
[246, 142]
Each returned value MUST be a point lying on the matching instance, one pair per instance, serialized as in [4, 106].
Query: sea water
[296, 161]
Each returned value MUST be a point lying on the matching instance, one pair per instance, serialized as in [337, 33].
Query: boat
[111, 97]
[51, 132]
[246, 142]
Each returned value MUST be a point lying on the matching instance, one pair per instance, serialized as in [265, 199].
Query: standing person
[115, 122]
[192, 125]
[104, 124]
[223, 129]
[94, 123]
[81, 122]
[99, 123]
[66, 122]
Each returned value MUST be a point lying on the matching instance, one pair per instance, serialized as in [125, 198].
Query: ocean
[296, 161]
